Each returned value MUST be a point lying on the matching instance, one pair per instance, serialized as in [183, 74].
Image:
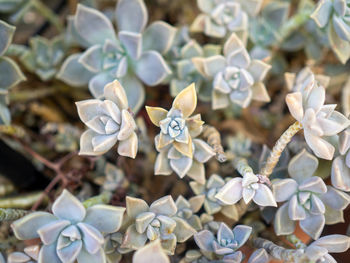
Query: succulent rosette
[109, 121]
[318, 251]
[112, 247]
[318, 120]
[334, 15]
[131, 55]
[236, 77]
[71, 232]
[221, 17]
[178, 150]
[44, 56]
[226, 243]
[208, 191]
[307, 199]
[186, 209]
[10, 73]
[250, 188]
[157, 221]
[341, 164]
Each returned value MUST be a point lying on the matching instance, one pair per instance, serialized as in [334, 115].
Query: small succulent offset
[178, 150]
[334, 16]
[318, 251]
[341, 164]
[184, 72]
[213, 205]
[306, 105]
[130, 57]
[250, 187]
[109, 121]
[221, 17]
[44, 56]
[186, 209]
[236, 76]
[10, 73]
[71, 232]
[115, 178]
[157, 221]
[112, 247]
[226, 243]
[308, 199]
[30, 255]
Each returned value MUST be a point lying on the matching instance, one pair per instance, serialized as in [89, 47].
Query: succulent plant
[157, 221]
[109, 121]
[179, 57]
[318, 250]
[178, 150]
[226, 243]
[250, 187]
[318, 120]
[44, 56]
[30, 255]
[212, 205]
[341, 164]
[115, 178]
[220, 17]
[263, 30]
[308, 199]
[186, 210]
[10, 73]
[235, 76]
[152, 252]
[71, 232]
[334, 16]
[130, 56]
[112, 247]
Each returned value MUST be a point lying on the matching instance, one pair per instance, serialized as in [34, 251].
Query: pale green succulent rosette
[109, 121]
[10, 73]
[179, 149]
[319, 121]
[226, 243]
[219, 18]
[44, 56]
[186, 210]
[335, 16]
[157, 221]
[71, 232]
[235, 76]
[131, 55]
[307, 199]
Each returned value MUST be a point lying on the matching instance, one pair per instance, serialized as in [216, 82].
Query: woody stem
[277, 150]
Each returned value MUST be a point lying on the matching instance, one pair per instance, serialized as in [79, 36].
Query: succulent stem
[277, 150]
[9, 214]
[281, 253]
[22, 202]
[212, 136]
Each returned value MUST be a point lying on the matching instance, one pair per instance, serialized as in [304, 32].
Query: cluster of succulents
[252, 148]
